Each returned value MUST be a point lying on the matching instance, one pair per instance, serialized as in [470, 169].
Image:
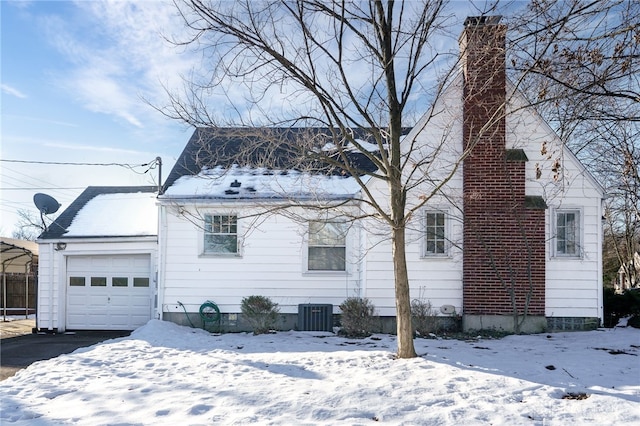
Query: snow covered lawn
[164, 374]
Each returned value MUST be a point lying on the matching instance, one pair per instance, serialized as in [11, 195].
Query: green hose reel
[209, 312]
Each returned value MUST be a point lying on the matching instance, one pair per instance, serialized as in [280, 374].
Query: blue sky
[74, 76]
[73, 79]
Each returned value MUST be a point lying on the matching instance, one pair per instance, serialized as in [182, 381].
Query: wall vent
[315, 317]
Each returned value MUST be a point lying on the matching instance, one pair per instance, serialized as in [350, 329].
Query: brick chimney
[504, 230]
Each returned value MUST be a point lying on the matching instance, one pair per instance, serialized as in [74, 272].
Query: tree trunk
[403, 302]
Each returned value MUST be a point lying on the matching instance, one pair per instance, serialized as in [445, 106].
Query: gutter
[114, 239]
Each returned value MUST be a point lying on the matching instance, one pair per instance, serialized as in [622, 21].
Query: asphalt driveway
[20, 347]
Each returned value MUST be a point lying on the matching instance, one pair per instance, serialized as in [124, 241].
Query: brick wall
[504, 247]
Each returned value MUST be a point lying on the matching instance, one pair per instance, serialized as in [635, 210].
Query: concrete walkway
[16, 327]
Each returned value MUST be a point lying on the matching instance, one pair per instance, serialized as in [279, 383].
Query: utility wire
[62, 163]
[150, 165]
[39, 188]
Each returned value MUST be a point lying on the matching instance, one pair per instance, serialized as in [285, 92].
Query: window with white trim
[220, 234]
[567, 233]
[435, 243]
[327, 246]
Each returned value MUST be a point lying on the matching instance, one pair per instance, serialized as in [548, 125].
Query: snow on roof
[247, 182]
[120, 214]
[351, 147]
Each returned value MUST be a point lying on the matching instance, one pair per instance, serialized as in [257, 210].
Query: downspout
[161, 244]
[600, 268]
[26, 290]
[51, 253]
[4, 293]
[362, 282]
[162, 231]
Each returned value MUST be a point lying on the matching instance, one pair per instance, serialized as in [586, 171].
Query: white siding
[437, 138]
[47, 299]
[574, 285]
[273, 252]
[52, 271]
[271, 263]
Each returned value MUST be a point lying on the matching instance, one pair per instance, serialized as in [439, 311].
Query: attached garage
[108, 292]
[98, 265]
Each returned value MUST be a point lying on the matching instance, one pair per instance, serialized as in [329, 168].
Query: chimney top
[477, 21]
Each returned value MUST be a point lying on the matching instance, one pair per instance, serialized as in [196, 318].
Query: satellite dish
[46, 203]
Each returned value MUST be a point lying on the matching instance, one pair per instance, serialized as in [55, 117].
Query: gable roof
[269, 150]
[120, 217]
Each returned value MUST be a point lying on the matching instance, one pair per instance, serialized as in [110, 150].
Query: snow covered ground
[164, 374]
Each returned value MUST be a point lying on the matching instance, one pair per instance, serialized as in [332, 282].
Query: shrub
[423, 317]
[260, 312]
[625, 305]
[358, 317]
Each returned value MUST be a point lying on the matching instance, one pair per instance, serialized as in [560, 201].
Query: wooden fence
[19, 298]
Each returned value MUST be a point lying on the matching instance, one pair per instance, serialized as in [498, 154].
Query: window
[434, 237]
[141, 282]
[220, 234]
[119, 282]
[76, 281]
[568, 233]
[327, 246]
[98, 281]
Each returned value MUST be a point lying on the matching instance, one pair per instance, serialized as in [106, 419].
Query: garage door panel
[139, 299]
[77, 300]
[113, 302]
[140, 264]
[120, 300]
[97, 300]
[100, 262]
[76, 319]
[120, 320]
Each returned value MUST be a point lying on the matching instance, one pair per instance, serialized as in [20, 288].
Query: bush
[423, 317]
[623, 305]
[358, 317]
[260, 312]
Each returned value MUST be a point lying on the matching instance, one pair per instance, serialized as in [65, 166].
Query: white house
[626, 280]
[517, 224]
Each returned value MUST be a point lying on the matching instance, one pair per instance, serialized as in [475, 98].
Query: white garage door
[108, 292]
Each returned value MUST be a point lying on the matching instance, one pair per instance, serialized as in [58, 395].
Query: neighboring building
[518, 224]
[625, 280]
[18, 271]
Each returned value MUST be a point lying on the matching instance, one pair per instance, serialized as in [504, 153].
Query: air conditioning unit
[315, 317]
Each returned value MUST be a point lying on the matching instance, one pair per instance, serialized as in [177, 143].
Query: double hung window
[327, 246]
[567, 239]
[435, 243]
[220, 234]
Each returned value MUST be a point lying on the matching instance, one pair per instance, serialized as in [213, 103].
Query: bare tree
[345, 66]
[29, 225]
[620, 171]
[364, 66]
[579, 62]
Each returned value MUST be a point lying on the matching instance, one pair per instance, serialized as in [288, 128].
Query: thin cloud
[94, 148]
[40, 120]
[12, 91]
[118, 57]
[87, 146]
